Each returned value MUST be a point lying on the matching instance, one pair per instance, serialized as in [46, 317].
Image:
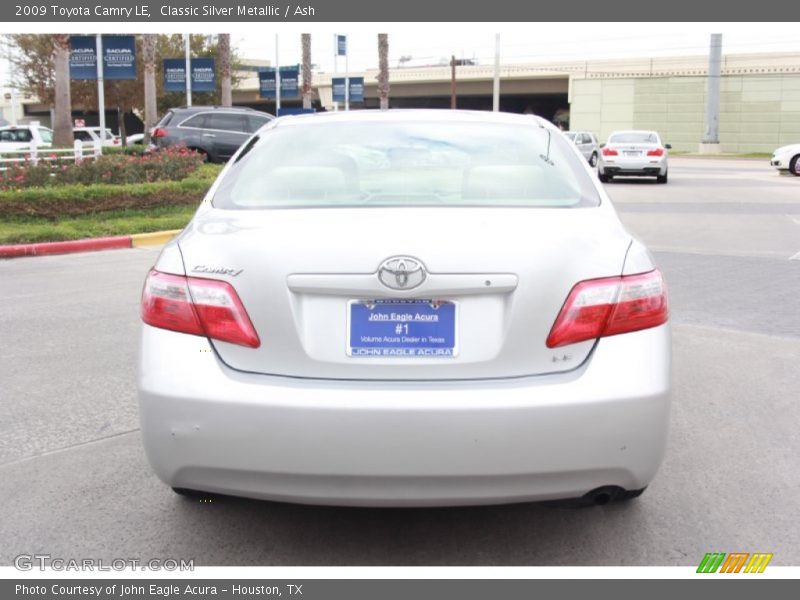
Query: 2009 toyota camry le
[406, 308]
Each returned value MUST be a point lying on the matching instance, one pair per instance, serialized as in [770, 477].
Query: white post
[188, 72]
[496, 87]
[98, 148]
[14, 106]
[77, 148]
[346, 77]
[277, 79]
[101, 96]
[335, 66]
[34, 153]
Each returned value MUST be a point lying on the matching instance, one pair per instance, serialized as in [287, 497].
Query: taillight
[197, 306]
[609, 152]
[656, 152]
[158, 132]
[610, 306]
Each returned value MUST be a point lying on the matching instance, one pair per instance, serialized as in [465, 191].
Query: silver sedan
[406, 308]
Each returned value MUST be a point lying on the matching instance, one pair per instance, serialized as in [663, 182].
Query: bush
[130, 149]
[172, 164]
[55, 202]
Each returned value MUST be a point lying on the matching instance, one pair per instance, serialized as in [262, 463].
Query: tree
[383, 70]
[150, 107]
[62, 102]
[224, 53]
[305, 42]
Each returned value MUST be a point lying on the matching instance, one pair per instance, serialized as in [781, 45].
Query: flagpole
[188, 72]
[101, 96]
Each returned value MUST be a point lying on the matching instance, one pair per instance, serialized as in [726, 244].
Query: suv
[19, 137]
[215, 131]
[587, 144]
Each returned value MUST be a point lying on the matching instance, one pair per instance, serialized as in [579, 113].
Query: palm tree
[224, 53]
[305, 42]
[150, 106]
[383, 70]
[62, 101]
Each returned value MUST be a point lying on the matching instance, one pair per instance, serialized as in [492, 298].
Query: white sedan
[787, 158]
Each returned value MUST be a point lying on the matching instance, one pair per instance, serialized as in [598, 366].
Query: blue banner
[174, 74]
[341, 45]
[356, 89]
[290, 87]
[204, 78]
[82, 57]
[119, 57]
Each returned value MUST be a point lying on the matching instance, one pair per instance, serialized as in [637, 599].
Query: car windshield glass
[46, 135]
[633, 137]
[407, 164]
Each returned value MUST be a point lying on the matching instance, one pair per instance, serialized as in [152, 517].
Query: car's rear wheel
[202, 153]
[593, 159]
[187, 493]
[794, 166]
[662, 178]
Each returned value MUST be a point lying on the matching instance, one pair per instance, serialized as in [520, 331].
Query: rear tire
[662, 178]
[191, 494]
[794, 166]
[593, 160]
[203, 153]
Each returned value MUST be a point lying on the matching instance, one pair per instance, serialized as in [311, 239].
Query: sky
[431, 43]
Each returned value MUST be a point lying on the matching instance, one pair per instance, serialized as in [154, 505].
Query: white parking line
[795, 257]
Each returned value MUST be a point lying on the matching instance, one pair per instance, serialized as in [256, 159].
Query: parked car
[587, 143]
[214, 131]
[91, 135]
[405, 308]
[19, 137]
[634, 153]
[787, 158]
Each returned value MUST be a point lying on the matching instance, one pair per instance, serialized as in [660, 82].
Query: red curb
[106, 243]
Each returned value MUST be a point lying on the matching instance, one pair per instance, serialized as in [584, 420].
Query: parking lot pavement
[74, 481]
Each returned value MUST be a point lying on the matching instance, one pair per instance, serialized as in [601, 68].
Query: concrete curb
[136, 240]
[156, 238]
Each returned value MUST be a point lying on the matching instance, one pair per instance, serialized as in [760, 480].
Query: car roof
[214, 107]
[413, 114]
[633, 131]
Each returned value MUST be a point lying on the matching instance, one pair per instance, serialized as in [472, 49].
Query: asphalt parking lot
[74, 481]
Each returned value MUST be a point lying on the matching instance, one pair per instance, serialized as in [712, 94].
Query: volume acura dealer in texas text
[209, 10]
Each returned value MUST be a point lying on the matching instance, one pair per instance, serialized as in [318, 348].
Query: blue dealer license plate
[404, 328]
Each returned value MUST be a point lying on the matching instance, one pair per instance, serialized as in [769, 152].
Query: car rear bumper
[636, 167]
[207, 427]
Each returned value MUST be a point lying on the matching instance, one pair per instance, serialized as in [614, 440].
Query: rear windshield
[633, 137]
[406, 164]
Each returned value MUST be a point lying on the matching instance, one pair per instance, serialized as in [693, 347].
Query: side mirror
[602, 145]
[668, 146]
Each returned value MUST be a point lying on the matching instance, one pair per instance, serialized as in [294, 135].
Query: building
[759, 100]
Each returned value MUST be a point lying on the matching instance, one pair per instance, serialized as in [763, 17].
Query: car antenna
[546, 158]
